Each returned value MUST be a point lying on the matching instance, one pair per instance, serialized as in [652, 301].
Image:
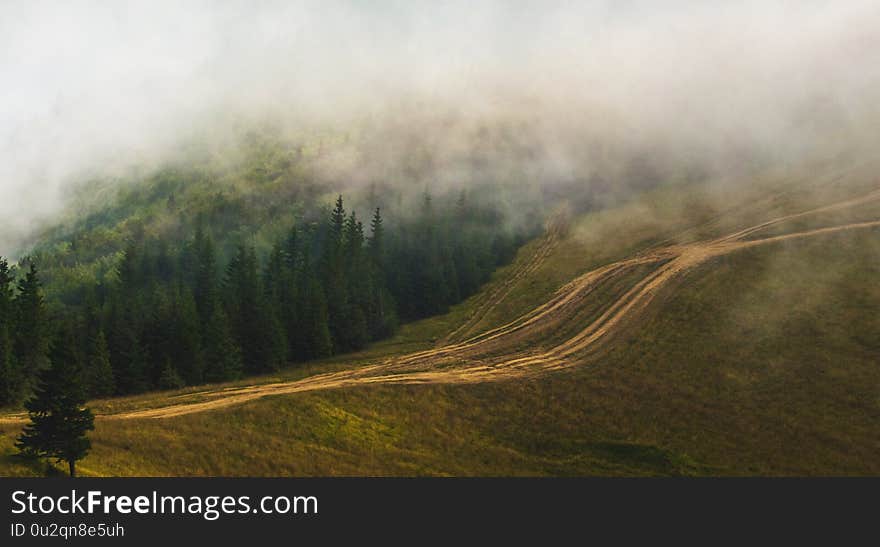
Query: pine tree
[337, 224]
[290, 278]
[357, 276]
[99, 372]
[169, 378]
[127, 353]
[256, 329]
[315, 340]
[310, 328]
[275, 282]
[222, 353]
[274, 274]
[165, 266]
[31, 338]
[319, 339]
[273, 339]
[158, 332]
[186, 349]
[376, 243]
[291, 251]
[354, 240]
[131, 267]
[334, 281]
[381, 317]
[59, 422]
[205, 291]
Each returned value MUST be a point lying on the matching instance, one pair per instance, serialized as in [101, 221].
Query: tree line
[172, 315]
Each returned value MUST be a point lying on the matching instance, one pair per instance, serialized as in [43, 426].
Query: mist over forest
[565, 97]
[389, 237]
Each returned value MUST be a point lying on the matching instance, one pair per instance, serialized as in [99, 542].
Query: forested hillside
[188, 276]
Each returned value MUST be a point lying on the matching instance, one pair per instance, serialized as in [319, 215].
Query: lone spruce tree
[59, 421]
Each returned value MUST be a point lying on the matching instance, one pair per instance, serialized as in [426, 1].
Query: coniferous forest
[172, 314]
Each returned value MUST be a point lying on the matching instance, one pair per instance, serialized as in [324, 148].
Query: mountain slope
[741, 341]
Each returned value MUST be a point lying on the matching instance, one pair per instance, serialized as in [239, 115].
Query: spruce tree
[337, 225]
[292, 249]
[31, 338]
[131, 267]
[256, 329]
[274, 276]
[275, 280]
[273, 339]
[381, 317]
[169, 378]
[376, 243]
[358, 278]
[205, 291]
[222, 353]
[127, 352]
[99, 372]
[59, 421]
[186, 350]
[165, 266]
[320, 341]
[158, 332]
[317, 342]
[288, 304]
[334, 281]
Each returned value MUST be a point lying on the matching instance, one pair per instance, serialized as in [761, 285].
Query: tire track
[490, 356]
[555, 227]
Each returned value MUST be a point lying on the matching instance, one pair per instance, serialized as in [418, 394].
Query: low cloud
[587, 87]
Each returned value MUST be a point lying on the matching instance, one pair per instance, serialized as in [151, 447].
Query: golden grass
[766, 361]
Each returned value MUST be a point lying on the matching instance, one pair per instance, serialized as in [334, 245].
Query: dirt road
[556, 227]
[492, 355]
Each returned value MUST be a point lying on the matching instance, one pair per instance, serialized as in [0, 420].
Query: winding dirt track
[554, 229]
[493, 355]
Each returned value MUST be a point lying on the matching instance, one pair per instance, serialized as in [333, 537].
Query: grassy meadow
[765, 361]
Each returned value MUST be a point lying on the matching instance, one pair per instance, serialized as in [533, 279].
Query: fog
[89, 87]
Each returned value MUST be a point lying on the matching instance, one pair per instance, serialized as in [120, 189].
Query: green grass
[765, 361]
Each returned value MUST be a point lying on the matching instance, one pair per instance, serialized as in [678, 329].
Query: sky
[89, 86]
